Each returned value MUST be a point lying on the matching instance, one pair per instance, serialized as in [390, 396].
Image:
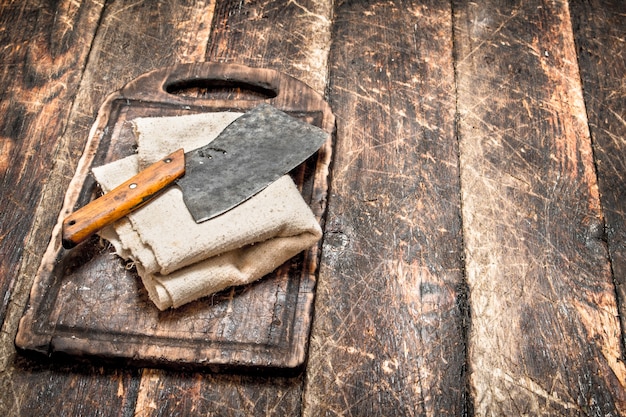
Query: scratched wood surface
[42, 64]
[388, 329]
[473, 256]
[545, 336]
[601, 46]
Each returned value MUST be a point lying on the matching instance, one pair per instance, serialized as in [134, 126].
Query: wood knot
[337, 239]
[594, 228]
[594, 235]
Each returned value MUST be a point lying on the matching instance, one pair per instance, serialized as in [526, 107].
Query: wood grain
[217, 395]
[131, 39]
[288, 36]
[42, 63]
[30, 388]
[545, 334]
[543, 237]
[600, 34]
[389, 323]
[254, 34]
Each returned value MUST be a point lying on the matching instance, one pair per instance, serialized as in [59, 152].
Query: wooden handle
[255, 85]
[123, 199]
[160, 85]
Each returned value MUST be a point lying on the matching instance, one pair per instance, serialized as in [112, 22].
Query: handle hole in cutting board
[221, 90]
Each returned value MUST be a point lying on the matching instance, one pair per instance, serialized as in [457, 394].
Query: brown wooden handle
[122, 200]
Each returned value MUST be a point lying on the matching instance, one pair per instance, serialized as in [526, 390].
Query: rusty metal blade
[251, 153]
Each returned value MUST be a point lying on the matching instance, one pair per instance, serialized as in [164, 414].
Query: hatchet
[249, 154]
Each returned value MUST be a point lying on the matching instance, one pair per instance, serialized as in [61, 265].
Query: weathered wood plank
[32, 389]
[43, 59]
[42, 62]
[545, 335]
[217, 395]
[289, 36]
[131, 39]
[600, 33]
[292, 37]
[388, 335]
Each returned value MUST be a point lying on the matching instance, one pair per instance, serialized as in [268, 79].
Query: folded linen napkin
[179, 260]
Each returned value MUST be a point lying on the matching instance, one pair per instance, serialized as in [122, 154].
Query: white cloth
[179, 260]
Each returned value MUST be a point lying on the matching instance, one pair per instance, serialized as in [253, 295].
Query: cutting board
[89, 303]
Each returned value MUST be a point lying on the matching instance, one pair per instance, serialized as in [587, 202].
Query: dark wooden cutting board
[89, 303]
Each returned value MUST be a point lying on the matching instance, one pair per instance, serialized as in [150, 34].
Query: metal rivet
[132, 186]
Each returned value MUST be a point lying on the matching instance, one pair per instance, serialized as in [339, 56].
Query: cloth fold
[179, 260]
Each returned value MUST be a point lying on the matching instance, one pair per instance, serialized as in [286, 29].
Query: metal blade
[251, 153]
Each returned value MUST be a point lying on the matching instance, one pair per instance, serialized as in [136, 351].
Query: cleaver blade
[249, 154]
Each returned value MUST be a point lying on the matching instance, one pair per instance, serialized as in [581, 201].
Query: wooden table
[474, 252]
